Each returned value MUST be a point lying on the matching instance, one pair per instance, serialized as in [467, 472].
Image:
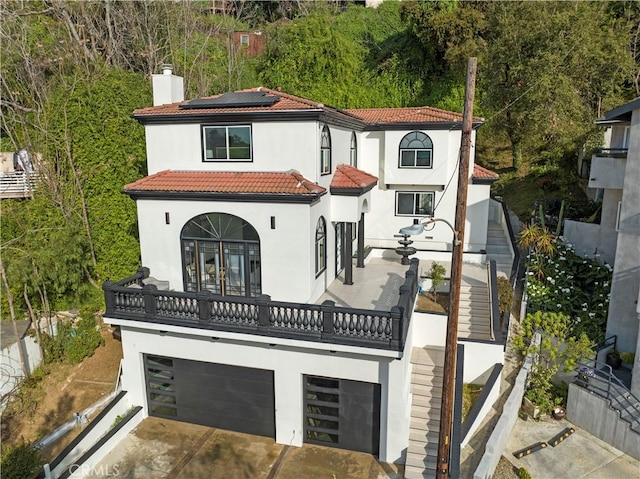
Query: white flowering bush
[563, 282]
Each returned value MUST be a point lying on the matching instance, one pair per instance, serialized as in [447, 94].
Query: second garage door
[216, 395]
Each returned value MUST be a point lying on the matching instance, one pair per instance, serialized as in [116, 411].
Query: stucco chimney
[167, 87]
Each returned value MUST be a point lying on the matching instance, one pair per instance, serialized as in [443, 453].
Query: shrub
[72, 344]
[21, 461]
[523, 474]
[436, 273]
[84, 342]
[505, 295]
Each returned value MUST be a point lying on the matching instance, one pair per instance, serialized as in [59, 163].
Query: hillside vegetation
[74, 71]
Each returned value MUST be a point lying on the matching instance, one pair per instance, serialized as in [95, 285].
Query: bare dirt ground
[67, 389]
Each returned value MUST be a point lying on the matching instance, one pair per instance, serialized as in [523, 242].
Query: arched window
[353, 157]
[416, 150]
[325, 151]
[221, 254]
[321, 246]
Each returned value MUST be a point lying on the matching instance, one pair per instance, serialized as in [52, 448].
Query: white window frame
[432, 194]
[406, 138]
[228, 158]
[321, 246]
[325, 151]
[618, 215]
[353, 150]
[244, 40]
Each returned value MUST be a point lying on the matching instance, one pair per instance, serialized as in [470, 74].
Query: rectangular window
[618, 215]
[414, 203]
[325, 161]
[227, 143]
[244, 40]
[415, 158]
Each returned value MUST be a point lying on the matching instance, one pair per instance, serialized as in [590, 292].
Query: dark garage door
[342, 413]
[216, 395]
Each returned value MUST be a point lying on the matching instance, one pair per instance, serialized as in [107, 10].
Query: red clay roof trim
[481, 173]
[272, 183]
[349, 177]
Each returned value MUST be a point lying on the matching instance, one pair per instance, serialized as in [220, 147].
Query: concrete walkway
[160, 448]
[580, 455]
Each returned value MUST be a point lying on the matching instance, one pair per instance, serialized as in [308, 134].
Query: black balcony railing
[130, 299]
[610, 152]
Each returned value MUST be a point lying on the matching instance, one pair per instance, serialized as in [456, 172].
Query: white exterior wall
[276, 146]
[289, 365]
[287, 252]
[11, 371]
[477, 222]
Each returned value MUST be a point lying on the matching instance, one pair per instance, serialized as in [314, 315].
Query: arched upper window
[353, 154]
[221, 254]
[321, 246]
[325, 151]
[416, 150]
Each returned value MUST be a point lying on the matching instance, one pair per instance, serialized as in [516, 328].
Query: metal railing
[599, 379]
[130, 299]
[17, 184]
[610, 152]
[494, 302]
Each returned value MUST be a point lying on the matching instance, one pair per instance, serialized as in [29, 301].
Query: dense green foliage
[74, 71]
[20, 461]
[72, 344]
[559, 350]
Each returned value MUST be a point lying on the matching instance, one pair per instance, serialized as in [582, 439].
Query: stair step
[430, 425]
[425, 398]
[418, 460]
[412, 472]
[424, 380]
[426, 449]
[422, 436]
[426, 412]
[431, 357]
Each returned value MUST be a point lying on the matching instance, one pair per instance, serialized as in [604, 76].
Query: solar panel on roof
[231, 100]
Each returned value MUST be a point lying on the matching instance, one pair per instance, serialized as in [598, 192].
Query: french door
[222, 267]
[339, 248]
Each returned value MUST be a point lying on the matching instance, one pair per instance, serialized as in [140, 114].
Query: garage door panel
[216, 395]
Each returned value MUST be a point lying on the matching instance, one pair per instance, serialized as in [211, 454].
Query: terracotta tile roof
[347, 177]
[480, 173]
[418, 114]
[286, 102]
[279, 183]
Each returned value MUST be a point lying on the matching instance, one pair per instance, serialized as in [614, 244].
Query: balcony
[607, 169]
[129, 299]
[17, 184]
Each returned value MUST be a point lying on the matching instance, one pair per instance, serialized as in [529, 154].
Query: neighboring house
[615, 173]
[252, 43]
[17, 180]
[256, 205]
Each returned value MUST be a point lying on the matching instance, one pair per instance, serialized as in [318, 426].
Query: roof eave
[309, 198]
[336, 191]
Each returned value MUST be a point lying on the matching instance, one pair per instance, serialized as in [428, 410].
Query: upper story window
[325, 151]
[416, 150]
[414, 203]
[227, 143]
[353, 154]
[321, 246]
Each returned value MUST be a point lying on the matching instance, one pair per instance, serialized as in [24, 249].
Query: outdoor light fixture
[421, 226]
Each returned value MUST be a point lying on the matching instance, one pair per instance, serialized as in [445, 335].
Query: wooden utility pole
[448, 383]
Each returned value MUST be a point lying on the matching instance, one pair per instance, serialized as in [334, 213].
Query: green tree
[549, 69]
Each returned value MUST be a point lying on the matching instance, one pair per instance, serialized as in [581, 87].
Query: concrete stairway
[474, 317]
[426, 388]
[498, 248]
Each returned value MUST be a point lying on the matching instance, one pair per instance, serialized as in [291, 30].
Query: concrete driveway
[580, 455]
[161, 448]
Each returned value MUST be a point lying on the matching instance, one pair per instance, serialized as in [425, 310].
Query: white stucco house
[276, 303]
[615, 175]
